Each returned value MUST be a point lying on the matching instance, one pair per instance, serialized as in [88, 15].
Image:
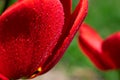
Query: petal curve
[90, 43]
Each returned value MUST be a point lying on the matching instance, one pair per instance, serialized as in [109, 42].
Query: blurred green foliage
[11, 2]
[1, 5]
[104, 16]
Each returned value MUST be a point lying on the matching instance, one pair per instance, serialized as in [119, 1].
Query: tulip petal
[29, 31]
[111, 47]
[90, 43]
[67, 37]
[67, 6]
[3, 77]
[79, 14]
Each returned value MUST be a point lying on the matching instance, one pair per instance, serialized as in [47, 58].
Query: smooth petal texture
[67, 37]
[3, 77]
[29, 31]
[90, 43]
[111, 47]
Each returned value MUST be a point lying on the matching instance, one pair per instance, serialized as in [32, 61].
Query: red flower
[34, 35]
[105, 54]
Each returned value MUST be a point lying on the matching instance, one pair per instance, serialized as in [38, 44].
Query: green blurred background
[104, 16]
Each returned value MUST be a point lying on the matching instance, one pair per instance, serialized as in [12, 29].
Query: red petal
[3, 77]
[67, 6]
[111, 47]
[90, 43]
[80, 13]
[67, 36]
[29, 30]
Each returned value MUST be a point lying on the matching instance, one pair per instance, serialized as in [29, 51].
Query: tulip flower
[103, 53]
[34, 35]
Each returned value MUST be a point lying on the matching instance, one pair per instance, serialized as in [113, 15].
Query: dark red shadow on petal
[90, 43]
[67, 6]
